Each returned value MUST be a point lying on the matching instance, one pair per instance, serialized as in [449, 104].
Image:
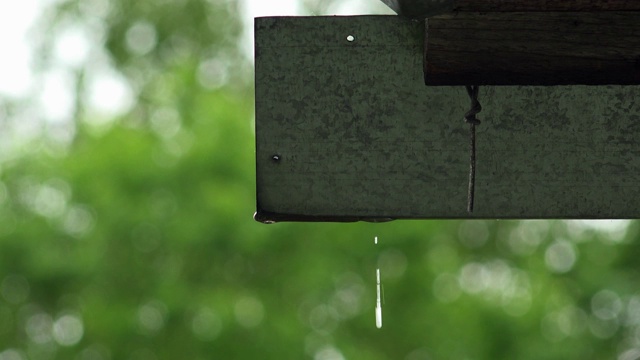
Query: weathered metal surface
[533, 48]
[358, 136]
[420, 9]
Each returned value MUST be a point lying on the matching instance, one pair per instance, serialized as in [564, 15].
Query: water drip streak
[378, 305]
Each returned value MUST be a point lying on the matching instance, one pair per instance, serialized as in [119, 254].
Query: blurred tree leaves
[133, 238]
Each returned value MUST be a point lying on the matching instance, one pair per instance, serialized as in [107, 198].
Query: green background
[133, 238]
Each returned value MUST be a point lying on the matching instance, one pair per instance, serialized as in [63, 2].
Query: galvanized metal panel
[357, 135]
[570, 48]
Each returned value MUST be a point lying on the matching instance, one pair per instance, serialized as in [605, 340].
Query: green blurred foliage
[136, 240]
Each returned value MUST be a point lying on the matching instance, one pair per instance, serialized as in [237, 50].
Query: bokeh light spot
[141, 38]
[109, 95]
[95, 8]
[631, 354]
[39, 328]
[323, 319]
[550, 329]
[212, 74]
[206, 325]
[328, 353]
[632, 317]
[473, 278]
[95, 352]
[611, 231]
[527, 236]
[68, 330]
[418, 354]
[151, 317]
[560, 257]
[51, 198]
[517, 298]
[606, 305]
[603, 329]
[72, 46]
[347, 303]
[12, 354]
[16, 72]
[571, 320]
[78, 221]
[58, 95]
[249, 312]
[166, 122]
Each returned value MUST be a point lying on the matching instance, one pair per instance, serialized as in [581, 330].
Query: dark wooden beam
[427, 8]
[545, 5]
[535, 48]
[420, 9]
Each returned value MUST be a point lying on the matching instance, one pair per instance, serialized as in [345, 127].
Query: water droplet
[378, 305]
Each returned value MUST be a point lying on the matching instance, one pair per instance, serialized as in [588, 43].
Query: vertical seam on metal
[472, 120]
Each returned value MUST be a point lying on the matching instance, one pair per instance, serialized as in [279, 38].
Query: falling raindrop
[378, 305]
